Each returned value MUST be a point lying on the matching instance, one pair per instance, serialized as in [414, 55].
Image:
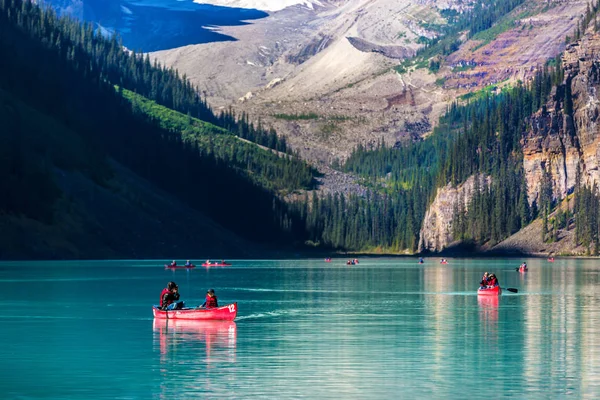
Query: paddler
[169, 297]
[484, 280]
[211, 300]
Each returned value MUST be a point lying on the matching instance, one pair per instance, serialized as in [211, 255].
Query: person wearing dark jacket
[169, 297]
[211, 300]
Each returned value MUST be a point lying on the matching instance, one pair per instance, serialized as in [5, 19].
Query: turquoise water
[386, 328]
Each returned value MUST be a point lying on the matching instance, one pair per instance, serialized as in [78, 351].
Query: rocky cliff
[436, 231]
[562, 137]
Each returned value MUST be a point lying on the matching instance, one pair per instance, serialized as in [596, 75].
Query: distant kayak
[179, 266]
[225, 313]
[216, 264]
[493, 291]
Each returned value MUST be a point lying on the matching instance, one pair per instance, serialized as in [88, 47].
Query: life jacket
[162, 295]
[493, 282]
[211, 302]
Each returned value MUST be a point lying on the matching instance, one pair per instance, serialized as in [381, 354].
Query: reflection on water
[385, 329]
[194, 354]
[218, 336]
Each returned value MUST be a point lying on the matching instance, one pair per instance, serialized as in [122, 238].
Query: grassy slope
[238, 153]
[103, 210]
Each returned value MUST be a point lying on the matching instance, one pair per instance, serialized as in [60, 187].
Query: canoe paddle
[510, 289]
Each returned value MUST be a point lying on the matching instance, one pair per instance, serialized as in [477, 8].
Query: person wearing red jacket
[210, 300]
[169, 297]
[492, 281]
[484, 281]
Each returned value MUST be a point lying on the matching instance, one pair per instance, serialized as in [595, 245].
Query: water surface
[386, 328]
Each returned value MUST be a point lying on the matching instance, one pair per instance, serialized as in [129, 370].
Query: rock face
[559, 141]
[436, 231]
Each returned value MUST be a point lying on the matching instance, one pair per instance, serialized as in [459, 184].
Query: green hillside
[267, 168]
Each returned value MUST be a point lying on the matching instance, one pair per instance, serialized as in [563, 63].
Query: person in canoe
[208, 262]
[484, 281]
[492, 281]
[169, 297]
[523, 267]
[211, 300]
[421, 261]
[173, 263]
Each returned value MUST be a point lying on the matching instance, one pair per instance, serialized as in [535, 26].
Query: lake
[386, 329]
[152, 25]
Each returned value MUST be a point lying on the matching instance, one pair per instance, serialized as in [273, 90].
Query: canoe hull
[179, 267]
[216, 265]
[225, 313]
[495, 291]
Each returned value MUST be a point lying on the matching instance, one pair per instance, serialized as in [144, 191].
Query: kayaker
[173, 263]
[421, 261]
[211, 300]
[188, 263]
[169, 297]
[208, 262]
[492, 280]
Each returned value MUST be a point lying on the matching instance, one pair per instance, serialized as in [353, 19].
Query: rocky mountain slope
[326, 78]
[564, 138]
[563, 141]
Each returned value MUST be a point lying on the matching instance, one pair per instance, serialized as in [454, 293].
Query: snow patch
[126, 10]
[264, 5]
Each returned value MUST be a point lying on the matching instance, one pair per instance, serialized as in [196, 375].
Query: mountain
[344, 64]
[493, 146]
[265, 5]
[458, 116]
[107, 155]
[157, 24]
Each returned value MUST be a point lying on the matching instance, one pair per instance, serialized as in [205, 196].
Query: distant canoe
[179, 266]
[225, 313]
[216, 264]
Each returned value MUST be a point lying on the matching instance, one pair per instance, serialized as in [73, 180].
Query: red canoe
[522, 269]
[225, 313]
[179, 266]
[216, 265]
[494, 291]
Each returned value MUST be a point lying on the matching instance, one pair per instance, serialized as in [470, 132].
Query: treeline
[481, 138]
[68, 72]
